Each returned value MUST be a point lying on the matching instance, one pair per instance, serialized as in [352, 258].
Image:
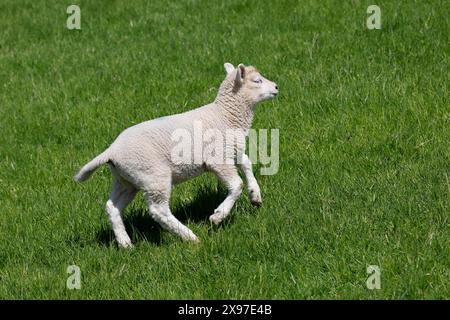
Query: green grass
[364, 148]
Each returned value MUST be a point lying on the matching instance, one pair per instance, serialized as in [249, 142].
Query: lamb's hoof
[195, 241]
[255, 198]
[215, 218]
[256, 203]
[126, 245]
[192, 238]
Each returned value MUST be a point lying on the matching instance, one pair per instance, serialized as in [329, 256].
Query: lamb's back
[151, 141]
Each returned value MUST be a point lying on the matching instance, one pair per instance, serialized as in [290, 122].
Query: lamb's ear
[240, 74]
[228, 67]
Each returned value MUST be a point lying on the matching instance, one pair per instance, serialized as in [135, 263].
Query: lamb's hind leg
[121, 196]
[230, 177]
[158, 196]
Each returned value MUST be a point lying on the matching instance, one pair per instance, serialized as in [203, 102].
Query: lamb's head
[248, 82]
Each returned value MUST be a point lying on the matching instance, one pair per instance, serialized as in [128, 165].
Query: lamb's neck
[238, 110]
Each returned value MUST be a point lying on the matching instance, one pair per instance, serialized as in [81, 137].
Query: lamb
[142, 157]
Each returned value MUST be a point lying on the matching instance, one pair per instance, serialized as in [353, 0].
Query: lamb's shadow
[201, 207]
[141, 227]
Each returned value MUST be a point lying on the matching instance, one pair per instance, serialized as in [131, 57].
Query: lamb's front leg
[229, 176]
[254, 192]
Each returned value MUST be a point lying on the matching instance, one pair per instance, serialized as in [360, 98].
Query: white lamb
[141, 158]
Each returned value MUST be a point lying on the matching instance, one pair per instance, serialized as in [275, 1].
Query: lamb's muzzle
[143, 154]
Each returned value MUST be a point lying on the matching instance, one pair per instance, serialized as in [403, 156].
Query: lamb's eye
[257, 80]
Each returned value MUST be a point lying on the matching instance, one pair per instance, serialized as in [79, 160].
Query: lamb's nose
[276, 87]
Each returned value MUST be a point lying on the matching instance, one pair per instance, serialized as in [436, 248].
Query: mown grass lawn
[364, 171]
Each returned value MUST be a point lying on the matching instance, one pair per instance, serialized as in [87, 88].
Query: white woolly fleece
[140, 158]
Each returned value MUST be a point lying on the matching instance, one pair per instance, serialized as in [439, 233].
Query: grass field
[364, 172]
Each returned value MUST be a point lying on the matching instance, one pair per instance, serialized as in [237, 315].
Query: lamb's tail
[90, 167]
